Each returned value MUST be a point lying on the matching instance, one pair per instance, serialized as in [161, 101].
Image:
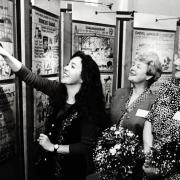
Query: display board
[97, 40]
[160, 42]
[6, 36]
[7, 122]
[45, 42]
[45, 61]
[41, 110]
[7, 85]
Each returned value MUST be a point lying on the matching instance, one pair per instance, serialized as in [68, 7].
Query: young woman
[163, 125]
[78, 115]
[130, 106]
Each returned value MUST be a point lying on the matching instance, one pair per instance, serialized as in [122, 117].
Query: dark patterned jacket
[66, 126]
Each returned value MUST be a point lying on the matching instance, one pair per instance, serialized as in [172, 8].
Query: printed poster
[95, 40]
[41, 111]
[107, 83]
[7, 122]
[6, 36]
[160, 42]
[45, 43]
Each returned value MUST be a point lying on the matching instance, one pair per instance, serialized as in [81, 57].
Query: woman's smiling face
[72, 72]
[138, 72]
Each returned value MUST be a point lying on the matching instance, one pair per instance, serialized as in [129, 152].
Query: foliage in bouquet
[117, 152]
[165, 157]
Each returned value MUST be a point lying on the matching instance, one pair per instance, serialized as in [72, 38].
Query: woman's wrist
[63, 149]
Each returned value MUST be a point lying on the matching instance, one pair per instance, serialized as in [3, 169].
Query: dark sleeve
[89, 134]
[41, 84]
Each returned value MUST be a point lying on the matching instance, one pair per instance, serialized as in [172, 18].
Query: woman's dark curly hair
[90, 98]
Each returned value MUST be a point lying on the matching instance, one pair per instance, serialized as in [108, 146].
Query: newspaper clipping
[45, 43]
[160, 42]
[95, 40]
[6, 36]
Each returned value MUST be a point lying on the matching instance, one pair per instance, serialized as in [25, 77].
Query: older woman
[163, 125]
[130, 106]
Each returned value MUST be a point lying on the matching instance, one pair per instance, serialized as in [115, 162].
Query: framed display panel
[7, 122]
[8, 126]
[160, 42]
[107, 83]
[41, 111]
[96, 40]
[45, 42]
[6, 36]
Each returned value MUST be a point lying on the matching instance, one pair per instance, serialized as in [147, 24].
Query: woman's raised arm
[14, 64]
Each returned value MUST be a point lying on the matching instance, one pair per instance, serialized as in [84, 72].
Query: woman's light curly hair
[154, 65]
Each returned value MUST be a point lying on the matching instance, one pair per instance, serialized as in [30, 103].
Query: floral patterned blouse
[165, 116]
[165, 127]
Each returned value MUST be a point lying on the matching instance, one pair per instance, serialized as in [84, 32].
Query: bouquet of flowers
[164, 157]
[117, 152]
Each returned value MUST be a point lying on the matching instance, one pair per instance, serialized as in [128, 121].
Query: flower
[117, 152]
[117, 146]
[112, 151]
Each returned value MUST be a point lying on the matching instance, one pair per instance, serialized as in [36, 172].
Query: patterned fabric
[164, 127]
[135, 103]
[128, 119]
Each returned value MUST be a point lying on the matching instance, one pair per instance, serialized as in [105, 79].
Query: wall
[86, 11]
[52, 6]
[164, 7]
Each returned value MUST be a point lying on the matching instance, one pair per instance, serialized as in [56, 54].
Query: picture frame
[45, 42]
[97, 40]
[158, 41]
